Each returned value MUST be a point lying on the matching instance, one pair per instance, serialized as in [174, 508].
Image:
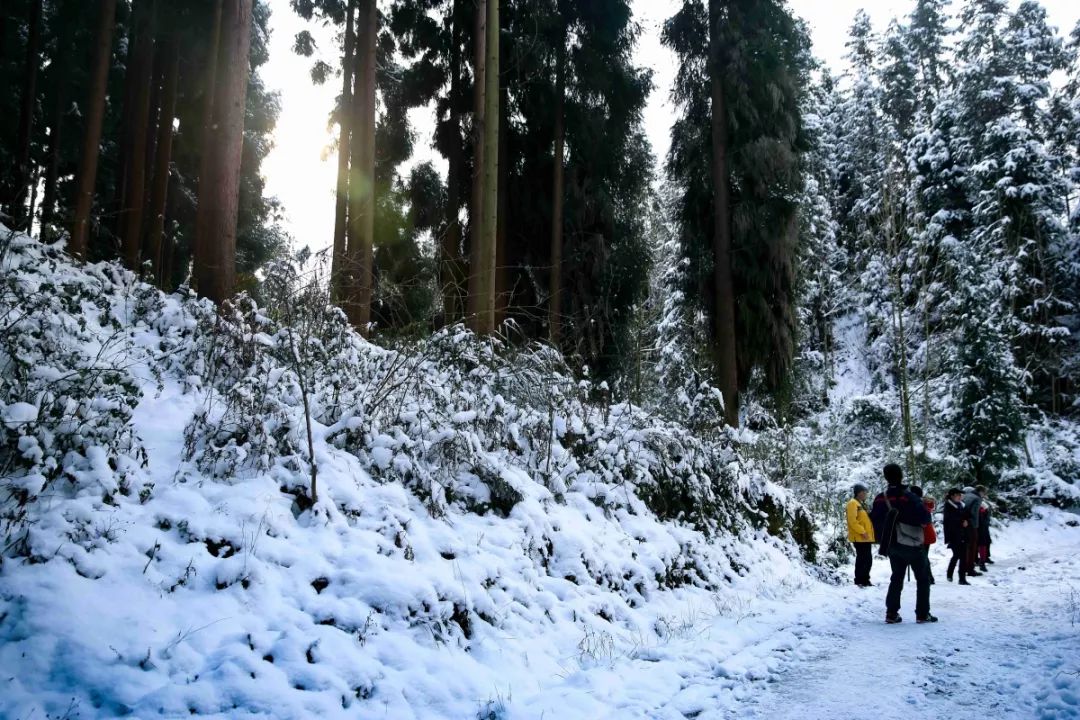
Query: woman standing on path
[860, 534]
[956, 533]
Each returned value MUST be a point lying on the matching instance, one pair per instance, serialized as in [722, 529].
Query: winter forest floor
[174, 572]
[1005, 647]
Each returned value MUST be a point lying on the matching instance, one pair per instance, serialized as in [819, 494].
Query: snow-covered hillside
[490, 538]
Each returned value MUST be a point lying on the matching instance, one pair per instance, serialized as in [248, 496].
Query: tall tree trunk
[140, 76]
[94, 113]
[170, 55]
[723, 289]
[476, 210]
[338, 259]
[450, 265]
[488, 245]
[168, 249]
[34, 177]
[20, 179]
[52, 172]
[502, 288]
[361, 221]
[555, 285]
[207, 120]
[219, 189]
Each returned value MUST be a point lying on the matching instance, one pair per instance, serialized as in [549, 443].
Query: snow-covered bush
[66, 388]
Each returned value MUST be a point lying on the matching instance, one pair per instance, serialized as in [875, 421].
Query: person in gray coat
[973, 499]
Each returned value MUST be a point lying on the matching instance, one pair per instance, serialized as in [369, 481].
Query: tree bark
[140, 77]
[219, 189]
[488, 246]
[476, 210]
[555, 285]
[338, 260]
[450, 266]
[723, 289]
[52, 172]
[502, 288]
[20, 179]
[205, 159]
[361, 223]
[163, 160]
[95, 113]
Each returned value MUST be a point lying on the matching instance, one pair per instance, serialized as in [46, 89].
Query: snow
[155, 585]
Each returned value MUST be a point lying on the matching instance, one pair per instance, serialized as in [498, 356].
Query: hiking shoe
[963, 582]
[974, 574]
[989, 561]
[926, 618]
[892, 618]
[982, 568]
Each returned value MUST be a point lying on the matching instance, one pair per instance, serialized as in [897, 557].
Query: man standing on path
[898, 517]
[860, 534]
[972, 503]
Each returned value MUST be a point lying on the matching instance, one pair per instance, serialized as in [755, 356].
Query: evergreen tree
[928, 35]
[761, 91]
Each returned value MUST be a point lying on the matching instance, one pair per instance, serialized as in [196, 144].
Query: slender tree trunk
[34, 177]
[94, 113]
[502, 251]
[20, 180]
[488, 240]
[52, 172]
[476, 210]
[555, 286]
[3, 28]
[338, 259]
[450, 266]
[361, 221]
[160, 191]
[219, 190]
[723, 288]
[205, 160]
[140, 76]
[168, 250]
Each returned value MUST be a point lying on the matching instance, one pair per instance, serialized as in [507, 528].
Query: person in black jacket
[901, 535]
[956, 533]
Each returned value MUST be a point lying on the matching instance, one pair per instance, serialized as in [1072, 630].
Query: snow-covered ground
[538, 584]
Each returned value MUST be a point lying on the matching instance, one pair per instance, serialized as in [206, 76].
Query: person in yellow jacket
[860, 534]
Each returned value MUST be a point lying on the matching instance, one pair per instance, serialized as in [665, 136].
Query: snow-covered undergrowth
[485, 527]
[848, 426]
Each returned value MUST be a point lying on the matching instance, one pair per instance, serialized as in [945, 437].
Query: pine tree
[767, 57]
[928, 35]
[215, 270]
[94, 118]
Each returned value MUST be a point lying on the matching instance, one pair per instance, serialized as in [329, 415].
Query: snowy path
[1008, 646]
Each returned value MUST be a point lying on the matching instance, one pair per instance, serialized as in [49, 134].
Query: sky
[301, 171]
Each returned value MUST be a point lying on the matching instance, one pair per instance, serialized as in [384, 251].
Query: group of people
[901, 522]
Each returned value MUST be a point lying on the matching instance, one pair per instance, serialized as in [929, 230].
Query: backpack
[894, 531]
[888, 528]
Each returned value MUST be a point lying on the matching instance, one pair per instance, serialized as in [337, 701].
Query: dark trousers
[959, 559]
[902, 557]
[972, 546]
[926, 558]
[864, 558]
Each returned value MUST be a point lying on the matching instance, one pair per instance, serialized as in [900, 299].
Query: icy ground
[1008, 646]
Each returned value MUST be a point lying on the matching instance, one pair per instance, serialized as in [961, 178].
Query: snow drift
[485, 534]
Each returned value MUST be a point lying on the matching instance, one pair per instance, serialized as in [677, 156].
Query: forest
[543, 392]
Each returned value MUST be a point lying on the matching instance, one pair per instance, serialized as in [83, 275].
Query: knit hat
[859, 487]
[969, 489]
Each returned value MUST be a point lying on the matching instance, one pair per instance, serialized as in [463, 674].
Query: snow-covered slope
[488, 538]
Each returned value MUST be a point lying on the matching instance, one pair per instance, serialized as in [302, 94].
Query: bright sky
[302, 174]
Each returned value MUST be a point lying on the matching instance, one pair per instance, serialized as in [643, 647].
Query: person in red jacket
[929, 533]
